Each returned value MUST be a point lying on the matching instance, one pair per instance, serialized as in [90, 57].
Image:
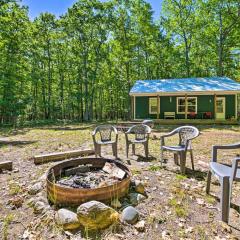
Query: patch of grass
[180, 177]
[209, 199]
[181, 211]
[154, 168]
[179, 208]
[6, 222]
[154, 218]
[211, 215]
[181, 234]
[201, 232]
[135, 172]
[173, 202]
[14, 188]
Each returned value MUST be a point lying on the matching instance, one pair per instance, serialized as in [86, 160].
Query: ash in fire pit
[87, 176]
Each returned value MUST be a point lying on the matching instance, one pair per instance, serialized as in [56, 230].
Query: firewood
[51, 157]
[75, 170]
[113, 170]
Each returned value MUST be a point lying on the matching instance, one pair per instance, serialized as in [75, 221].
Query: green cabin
[187, 98]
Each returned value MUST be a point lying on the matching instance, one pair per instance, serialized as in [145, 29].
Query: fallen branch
[51, 157]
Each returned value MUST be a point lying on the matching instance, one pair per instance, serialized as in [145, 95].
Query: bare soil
[176, 208]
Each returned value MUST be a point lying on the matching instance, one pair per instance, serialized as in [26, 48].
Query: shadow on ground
[15, 143]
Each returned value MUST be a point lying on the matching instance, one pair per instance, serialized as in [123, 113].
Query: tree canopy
[82, 65]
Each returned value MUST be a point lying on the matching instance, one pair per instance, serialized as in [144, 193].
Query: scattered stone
[189, 230]
[165, 234]
[26, 234]
[181, 225]
[139, 187]
[67, 219]
[36, 188]
[234, 212]
[182, 220]
[39, 207]
[140, 198]
[130, 215]
[140, 226]
[136, 198]
[32, 201]
[200, 201]
[96, 215]
[154, 188]
[115, 203]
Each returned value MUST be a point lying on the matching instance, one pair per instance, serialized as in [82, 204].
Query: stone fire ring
[65, 196]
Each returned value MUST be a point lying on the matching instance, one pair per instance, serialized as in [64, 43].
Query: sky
[59, 7]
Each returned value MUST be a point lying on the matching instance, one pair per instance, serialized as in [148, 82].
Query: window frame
[185, 104]
[150, 104]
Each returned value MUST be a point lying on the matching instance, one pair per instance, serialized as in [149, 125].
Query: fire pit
[76, 181]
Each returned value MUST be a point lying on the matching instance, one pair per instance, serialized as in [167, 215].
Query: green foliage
[81, 66]
[6, 222]
[154, 168]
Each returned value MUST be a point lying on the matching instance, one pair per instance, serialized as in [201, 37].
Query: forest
[81, 66]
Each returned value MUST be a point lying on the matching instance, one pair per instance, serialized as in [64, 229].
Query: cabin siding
[205, 103]
[230, 106]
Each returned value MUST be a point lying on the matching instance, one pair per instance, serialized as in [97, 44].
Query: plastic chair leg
[146, 150]
[133, 149]
[192, 161]
[224, 201]
[176, 158]
[183, 162]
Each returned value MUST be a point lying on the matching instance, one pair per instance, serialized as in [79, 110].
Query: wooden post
[215, 106]
[158, 106]
[186, 106]
[132, 108]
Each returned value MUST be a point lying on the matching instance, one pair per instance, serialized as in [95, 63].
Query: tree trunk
[220, 47]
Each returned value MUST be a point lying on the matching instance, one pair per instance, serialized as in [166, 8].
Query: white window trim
[149, 110]
[180, 105]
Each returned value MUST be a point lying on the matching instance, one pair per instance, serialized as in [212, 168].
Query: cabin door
[220, 108]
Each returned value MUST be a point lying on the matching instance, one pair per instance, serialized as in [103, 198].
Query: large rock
[130, 215]
[96, 215]
[67, 219]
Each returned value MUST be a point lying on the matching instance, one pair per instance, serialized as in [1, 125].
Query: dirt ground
[176, 208]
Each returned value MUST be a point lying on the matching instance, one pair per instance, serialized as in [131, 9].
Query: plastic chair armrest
[226, 147]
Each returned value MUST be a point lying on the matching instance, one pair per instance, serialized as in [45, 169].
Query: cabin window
[191, 105]
[153, 105]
